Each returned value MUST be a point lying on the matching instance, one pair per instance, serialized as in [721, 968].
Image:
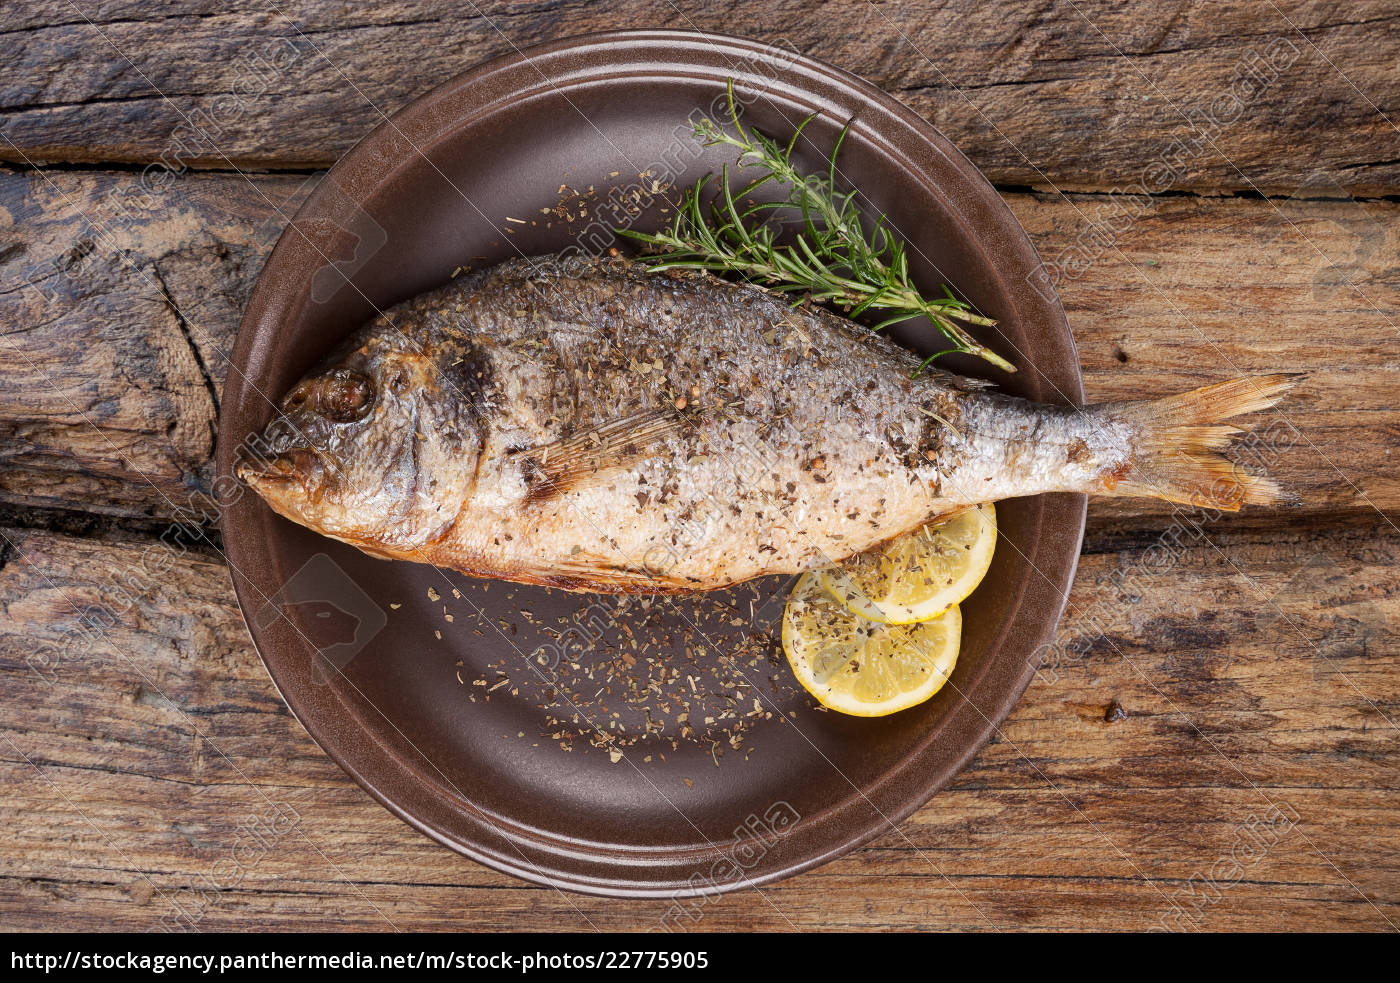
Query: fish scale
[588, 424]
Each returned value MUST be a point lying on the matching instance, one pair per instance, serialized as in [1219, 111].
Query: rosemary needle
[831, 259]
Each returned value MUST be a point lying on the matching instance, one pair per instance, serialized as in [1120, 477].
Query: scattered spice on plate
[641, 671]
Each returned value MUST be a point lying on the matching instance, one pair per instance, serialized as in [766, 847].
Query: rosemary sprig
[832, 259]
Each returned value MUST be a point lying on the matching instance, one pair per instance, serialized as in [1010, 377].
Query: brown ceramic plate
[510, 780]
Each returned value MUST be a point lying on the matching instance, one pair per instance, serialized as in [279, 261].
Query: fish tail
[1176, 452]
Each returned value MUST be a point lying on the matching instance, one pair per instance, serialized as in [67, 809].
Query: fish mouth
[295, 464]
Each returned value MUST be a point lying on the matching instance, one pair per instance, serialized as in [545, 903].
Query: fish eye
[345, 396]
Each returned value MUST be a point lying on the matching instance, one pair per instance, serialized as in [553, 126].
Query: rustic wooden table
[1212, 746]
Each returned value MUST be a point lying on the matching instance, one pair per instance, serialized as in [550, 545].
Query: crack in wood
[204, 537]
[184, 326]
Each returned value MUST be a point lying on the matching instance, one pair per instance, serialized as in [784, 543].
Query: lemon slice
[862, 667]
[921, 575]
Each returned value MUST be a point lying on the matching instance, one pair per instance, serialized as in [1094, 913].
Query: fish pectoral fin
[553, 468]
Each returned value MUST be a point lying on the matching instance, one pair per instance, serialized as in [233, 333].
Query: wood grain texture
[131, 767]
[119, 309]
[155, 778]
[1188, 291]
[1078, 94]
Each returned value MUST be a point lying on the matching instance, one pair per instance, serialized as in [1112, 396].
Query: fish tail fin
[1176, 453]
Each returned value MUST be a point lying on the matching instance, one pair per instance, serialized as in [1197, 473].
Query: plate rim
[1012, 676]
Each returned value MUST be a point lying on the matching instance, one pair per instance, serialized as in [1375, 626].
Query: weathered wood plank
[1256, 667]
[118, 312]
[1088, 95]
[1174, 293]
[1260, 682]
[1177, 292]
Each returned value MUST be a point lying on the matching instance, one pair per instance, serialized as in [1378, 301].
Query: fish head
[377, 447]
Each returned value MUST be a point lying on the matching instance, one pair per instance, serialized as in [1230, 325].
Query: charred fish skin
[588, 424]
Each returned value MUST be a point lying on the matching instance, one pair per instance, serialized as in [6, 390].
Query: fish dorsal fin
[552, 468]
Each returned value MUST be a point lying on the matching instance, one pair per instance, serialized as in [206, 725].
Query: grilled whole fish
[587, 424]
